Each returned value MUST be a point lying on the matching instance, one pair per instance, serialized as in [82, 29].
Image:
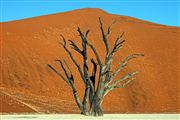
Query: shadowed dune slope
[28, 45]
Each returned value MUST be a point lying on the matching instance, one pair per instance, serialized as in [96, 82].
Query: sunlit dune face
[29, 45]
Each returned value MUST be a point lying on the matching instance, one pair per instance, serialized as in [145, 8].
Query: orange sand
[28, 45]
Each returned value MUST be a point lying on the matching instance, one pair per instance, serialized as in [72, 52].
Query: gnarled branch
[85, 69]
[105, 78]
[72, 58]
[118, 44]
[109, 88]
[104, 36]
[89, 85]
[93, 75]
[67, 66]
[75, 47]
[130, 75]
[71, 83]
[57, 73]
[124, 63]
[96, 54]
[125, 83]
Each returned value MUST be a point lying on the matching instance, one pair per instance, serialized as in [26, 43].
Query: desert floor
[81, 117]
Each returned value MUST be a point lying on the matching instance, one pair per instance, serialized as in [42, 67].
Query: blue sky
[165, 12]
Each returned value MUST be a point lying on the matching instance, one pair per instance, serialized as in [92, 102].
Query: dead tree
[94, 94]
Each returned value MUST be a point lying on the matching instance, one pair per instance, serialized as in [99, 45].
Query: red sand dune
[10, 105]
[28, 45]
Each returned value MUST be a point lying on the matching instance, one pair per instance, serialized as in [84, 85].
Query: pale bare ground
[81, 117]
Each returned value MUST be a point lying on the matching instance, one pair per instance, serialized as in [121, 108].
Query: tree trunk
[96, 108]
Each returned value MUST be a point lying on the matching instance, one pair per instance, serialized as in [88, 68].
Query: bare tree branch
[118, 44]
[67, 66]
[83, 37]
[72, 58]
[104, 36]
[105, 69]
[76, 97]
[64, 41]
[75, 47]
[85, 99]
[85, 69]
[109, 88]
[116, 82]
[109, 29]
[93, 75]
[124, 78]
[89, 84]
[87, 32]
[71, 81]
[57, 73]
[84, 43]
[124, 84]
[94, 97]
[124, 63]
[109, 57]
[62, 66]
[95, 52]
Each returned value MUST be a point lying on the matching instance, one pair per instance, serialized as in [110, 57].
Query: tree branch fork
[94, 94]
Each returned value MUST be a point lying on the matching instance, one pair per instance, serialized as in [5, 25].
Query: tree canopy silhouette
[94, 94]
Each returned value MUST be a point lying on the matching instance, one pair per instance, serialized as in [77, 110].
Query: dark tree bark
[94, 94]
